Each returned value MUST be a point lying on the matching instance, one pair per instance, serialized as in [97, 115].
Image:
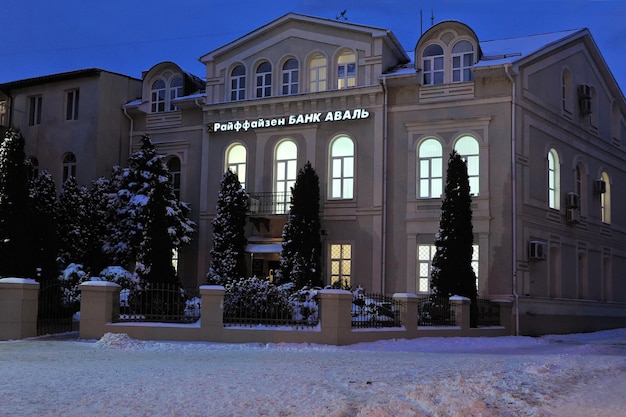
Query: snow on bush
[125, 279]
[71, 277]
[255, 298]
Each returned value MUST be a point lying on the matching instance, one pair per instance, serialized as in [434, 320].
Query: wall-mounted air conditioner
[599, 187]
[572, 200]
[537, 250]
[572, 215]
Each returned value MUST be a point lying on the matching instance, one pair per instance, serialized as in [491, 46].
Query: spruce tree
[300, 258]
[452, 272]
[228, 262]
[100, 196]
[15, 227]
[151, 222]
[73, 228]
[44, 220]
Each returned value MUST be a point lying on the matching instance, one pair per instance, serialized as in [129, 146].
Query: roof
[510, 50]
[52, 78]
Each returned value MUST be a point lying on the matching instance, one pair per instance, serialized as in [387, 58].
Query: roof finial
[342, 15]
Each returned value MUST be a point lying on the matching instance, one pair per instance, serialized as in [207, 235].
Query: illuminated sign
[293, 120]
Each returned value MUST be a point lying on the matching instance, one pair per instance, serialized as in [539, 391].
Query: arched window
[285, 173]
[158, 96]
[32, 164]
[290, 77]
[554, 180]
[462, 61]
[467, 147]
[236, 162]
[342, 168]
[69, 166]
[433, 65]
[430, 169]
[264, 80]
[605, 199]
[176, 90]
[318, 73]
[346, 70]
[173, 165]
[567, 91]
[238, 83]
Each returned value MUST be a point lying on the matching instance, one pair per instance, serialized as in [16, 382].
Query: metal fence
[53, 314]
[488, 313]
[436, 312]
[159, 303]
[271, 311]
[375, 311]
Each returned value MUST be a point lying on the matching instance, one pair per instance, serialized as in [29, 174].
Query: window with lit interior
[430, 169]
[342, 168]
[554, 180]
[318, 73]
[605, 199]
[467, 147]
[341, 264]
[236, 162]
[285, 173]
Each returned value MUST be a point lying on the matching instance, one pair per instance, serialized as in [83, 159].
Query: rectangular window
[34, 113]
[3, 113]
[71, 108]
[341, 264]
[425, 255]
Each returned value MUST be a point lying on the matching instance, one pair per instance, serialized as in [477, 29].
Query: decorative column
[99, 305]
[18, 308]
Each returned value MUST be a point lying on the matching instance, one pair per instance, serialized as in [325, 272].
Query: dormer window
[462, 61]
[164, 91]
[433, 65]
[290, 77]
[317, 73]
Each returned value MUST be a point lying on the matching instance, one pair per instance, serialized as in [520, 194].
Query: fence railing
[375, 311]
[269, 203]
[159, 303]
[488, 313]
[296, 313]
[435, 311]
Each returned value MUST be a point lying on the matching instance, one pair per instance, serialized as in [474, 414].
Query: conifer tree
[73, 223]
[15, 227]
[151, 222]
[228, 261]
[100, 221]
[452, 272]
[43, 217]
[300, 258]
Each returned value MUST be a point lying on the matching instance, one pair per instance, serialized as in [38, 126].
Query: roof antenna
[342, 15]
[432, 17]
[421, 28]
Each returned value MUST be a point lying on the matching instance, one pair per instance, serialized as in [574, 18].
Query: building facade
[72, 123]
[540, 121]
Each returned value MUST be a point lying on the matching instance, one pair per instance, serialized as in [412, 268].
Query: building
[72, 122]
[540, 121]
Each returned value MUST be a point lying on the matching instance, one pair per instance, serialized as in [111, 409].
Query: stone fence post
[18, 308]
[461, 306]
[99, 304]
[335, 316]
[212, 320]
[408, 313]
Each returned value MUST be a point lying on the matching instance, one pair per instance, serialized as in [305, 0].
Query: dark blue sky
[130, 36]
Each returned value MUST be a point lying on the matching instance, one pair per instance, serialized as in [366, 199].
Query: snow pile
[554, 376]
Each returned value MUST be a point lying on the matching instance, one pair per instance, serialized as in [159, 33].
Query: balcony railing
[269, 203]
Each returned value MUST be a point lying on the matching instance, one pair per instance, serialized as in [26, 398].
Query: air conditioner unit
[536, 250]
[599, 187]
[584, 91]
[572, 200]
[573, 215]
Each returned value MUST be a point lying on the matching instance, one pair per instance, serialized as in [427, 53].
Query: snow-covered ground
[573, 375]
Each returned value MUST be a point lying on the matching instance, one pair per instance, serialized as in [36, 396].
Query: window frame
[238, 83]
[263, 80]
[69, 166]
[318, 74]
[35, 108]
[340, 262]
[470, 159]
[346, 70]
[430, 65]
[430, 179]
[176, 174]
[72, 100]
[605, 199]
[237, 166]
[464, 69]
[554, 179]
[290, 85]
[287, 166]
[342, 170]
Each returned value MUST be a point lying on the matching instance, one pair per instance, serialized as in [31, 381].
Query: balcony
[268, 204]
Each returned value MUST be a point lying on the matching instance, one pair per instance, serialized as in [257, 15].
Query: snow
[569, 375]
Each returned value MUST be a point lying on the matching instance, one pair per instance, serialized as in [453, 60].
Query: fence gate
[53, 315]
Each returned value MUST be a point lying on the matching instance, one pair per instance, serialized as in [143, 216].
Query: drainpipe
[383, 276]
[130, 133]
[507, 69]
